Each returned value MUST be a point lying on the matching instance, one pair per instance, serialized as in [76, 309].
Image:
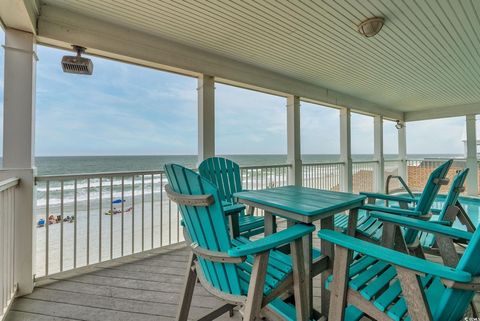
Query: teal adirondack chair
[225, 174]
[390, 285]
[446, 216]
[238, 271]
[370, 227]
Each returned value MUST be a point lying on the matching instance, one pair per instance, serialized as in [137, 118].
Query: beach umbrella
[118, 201]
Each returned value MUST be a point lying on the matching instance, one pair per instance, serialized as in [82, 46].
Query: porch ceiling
[427, 54]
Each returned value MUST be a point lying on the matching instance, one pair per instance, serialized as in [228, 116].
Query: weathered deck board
[139, 288]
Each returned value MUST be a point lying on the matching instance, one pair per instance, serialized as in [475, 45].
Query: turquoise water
[470, 204]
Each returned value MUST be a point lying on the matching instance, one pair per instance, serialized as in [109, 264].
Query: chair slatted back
[225, 174]
[430, 192]
[431, 189]
[454, 192]
[455, 302]
[450, 200]
[205, 225]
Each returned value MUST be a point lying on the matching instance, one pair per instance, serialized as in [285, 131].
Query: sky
[124, 109]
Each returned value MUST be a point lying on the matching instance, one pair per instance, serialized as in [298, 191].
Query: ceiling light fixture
[77, 64]
[371, 26]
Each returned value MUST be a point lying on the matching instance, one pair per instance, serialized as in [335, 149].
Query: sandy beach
[103, 238]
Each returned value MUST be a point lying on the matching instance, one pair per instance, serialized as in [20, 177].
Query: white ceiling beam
[443, 112]
[61, 28]
[19, 14]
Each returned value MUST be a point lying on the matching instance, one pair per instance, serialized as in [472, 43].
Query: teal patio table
[307, 205]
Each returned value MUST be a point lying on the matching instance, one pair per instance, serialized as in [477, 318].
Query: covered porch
[422, 65]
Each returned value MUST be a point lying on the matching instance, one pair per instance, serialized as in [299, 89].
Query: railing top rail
[266, 166]
[95, 175]
[8, 183]
[324, 163]
[365, 162]
[435, 159]
[64, 177]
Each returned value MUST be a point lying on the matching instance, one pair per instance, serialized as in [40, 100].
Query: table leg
[234, 225]
[269, 224]
[326, 249]
[352, 222]
[307, 256]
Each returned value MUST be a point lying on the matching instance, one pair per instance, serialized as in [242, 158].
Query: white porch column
[206, 117]
[18, 146]
[294, 157]
[346, 181]
[379, 179]
[402, 152]
[472, 162]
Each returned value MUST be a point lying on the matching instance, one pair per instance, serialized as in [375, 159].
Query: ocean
[145, 219]
[58, 165]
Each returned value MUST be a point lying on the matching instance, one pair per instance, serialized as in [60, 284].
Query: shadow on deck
[141, 287]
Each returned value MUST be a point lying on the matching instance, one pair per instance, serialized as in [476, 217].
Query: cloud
[120, 109]
[249, 122]
[439, 136]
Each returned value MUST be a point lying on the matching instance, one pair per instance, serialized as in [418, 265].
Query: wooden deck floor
[137, 288]
[140, 288]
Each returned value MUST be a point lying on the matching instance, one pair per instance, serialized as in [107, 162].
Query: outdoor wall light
[399, 125]
[371, 26]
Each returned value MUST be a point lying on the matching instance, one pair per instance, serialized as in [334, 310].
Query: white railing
[418, 171]
[83, 231]
[363, 175]
[322, 175]
[259, 177]
[91, 218]
[392, 167]
[8, 284]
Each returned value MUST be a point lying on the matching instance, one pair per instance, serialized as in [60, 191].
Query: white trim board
[443, 112]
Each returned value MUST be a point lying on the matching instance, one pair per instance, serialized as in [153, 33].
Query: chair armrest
[426, 226]
[392, 210]
[272, 241]
[446, 223]
[389, 197]
[418, 265]
[215, 256]
[229, 208]
[473, 285]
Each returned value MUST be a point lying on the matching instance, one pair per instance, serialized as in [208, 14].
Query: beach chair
[420, 242]
[386, 284]
[447, 215]
[371, 228]
[225, 174]
[239, 271]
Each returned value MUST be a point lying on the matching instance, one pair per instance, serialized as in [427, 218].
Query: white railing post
[346, 183]
[206, 117]
[402, 151]
[294, 157]
[472, 161]
[18, 146]
[379, 177]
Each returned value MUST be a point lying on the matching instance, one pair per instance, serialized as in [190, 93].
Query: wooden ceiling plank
[427, 71]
